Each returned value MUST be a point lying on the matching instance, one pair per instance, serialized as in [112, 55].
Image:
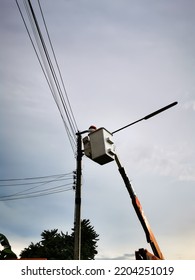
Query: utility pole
[77, 218]
[77, 214]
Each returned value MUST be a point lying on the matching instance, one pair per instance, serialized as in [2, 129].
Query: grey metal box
[102, 146]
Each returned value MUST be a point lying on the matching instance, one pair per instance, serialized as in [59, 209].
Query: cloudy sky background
[120, 61]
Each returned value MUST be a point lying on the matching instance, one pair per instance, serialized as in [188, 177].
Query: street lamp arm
[148, 116]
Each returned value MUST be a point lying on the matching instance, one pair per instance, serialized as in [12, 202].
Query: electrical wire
[48, 69]
[31, 183]
[31, 40]
[59, 93]
[36, 194]
[47, 62]
[35, 178]
[28, 193]
[40, 185]
[73, 121]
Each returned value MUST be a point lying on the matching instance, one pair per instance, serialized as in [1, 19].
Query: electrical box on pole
[99, 147]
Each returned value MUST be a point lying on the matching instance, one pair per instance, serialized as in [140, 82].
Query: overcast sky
[120, 60]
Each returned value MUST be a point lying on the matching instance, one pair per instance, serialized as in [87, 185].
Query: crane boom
[139, 211]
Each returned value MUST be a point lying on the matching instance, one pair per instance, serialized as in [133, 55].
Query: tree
[60, 246]
[89, 239]
[6, 253]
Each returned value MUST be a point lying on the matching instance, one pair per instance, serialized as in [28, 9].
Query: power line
[33, 183]
[73, 121]
[37, 194]
[48, 63]
[35, 178]
[31, 40]
[57, 87]
[46, 180]
[37, 186]
[48, 69]
[40, 185]
[34, 192]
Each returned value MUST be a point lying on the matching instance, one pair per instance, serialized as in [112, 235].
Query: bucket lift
[99, 147]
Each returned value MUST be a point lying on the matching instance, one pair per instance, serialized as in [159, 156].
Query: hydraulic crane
[99, 147]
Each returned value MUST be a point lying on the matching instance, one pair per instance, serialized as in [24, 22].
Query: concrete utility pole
[77, 215]
[77, 221]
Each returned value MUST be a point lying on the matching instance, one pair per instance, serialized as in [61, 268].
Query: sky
[120, 60]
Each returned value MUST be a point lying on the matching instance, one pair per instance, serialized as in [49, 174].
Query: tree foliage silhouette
[60, 246]
[6, 253]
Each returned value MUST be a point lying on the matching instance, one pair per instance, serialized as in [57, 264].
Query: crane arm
[139, 211]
